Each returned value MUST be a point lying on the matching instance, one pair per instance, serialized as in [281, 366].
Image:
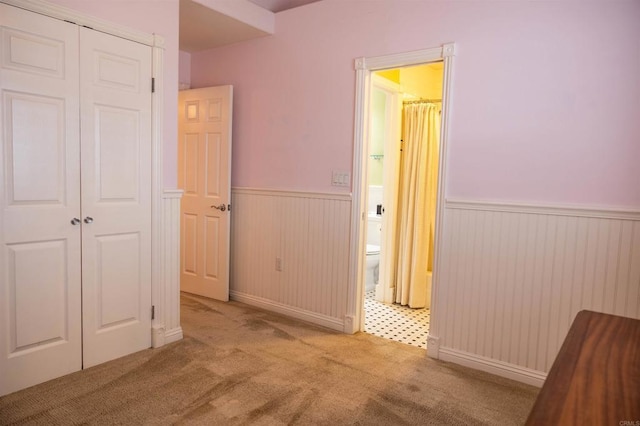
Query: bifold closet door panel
[40, 306]
[115, 81]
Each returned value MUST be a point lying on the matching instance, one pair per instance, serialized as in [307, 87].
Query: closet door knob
[75, 221]
[221, 207]
[88, 219]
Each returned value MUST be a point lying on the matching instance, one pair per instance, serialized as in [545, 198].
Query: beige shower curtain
[417, 195]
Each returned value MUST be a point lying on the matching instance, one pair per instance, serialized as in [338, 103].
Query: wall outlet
[278, 264]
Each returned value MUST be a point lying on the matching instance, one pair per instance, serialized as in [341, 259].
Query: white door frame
[364, 66]
[161, 303]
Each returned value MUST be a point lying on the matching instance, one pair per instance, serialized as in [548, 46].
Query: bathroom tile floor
[395, 322]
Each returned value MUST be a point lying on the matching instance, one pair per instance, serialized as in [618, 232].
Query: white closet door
[40, 330]
[115, 81]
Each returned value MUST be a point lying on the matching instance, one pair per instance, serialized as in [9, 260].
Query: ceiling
[279, 5]
[202, 28]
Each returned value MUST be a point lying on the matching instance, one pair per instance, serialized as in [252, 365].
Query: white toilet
[374, 236]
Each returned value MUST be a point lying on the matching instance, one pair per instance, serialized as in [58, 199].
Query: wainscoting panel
[512, 278]
[290, 252]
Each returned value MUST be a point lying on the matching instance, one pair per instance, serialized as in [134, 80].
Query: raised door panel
[117, 275]
[117, 154]
[214, 168]
[37, 318]
[116, 196]
[40, 305]
[33, 52]
[190, 238]
[34, 155]
[212, 233]
[189, 175]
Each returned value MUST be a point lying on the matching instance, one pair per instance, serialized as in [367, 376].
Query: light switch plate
[340, 178]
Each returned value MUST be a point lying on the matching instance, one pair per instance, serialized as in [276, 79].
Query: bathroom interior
[400, 99]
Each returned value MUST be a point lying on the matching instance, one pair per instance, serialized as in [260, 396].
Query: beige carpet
[240, 365]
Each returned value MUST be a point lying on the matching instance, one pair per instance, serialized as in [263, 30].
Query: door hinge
[153, 85]
[153, 312]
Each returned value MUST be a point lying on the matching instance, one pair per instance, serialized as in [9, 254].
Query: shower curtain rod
[433, 101]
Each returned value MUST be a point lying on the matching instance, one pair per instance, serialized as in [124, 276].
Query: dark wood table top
[595, 379]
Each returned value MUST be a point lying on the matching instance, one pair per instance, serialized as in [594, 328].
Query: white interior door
[115, 76]
[40, 330]
[204, 173]
[391, 172]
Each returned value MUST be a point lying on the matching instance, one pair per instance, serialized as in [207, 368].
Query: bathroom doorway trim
[364, 66]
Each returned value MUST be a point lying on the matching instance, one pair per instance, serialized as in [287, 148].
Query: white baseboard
[157, 337]
[312, 317]
[350, 324]
[499, 368]
[173, 335]
[433, 346]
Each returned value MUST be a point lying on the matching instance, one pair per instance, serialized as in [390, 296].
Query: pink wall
[184, 69]
[154, 17]
[545, 106]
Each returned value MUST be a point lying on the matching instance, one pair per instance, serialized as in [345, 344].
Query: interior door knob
[88, 219]
[75, 221]
[221, 207]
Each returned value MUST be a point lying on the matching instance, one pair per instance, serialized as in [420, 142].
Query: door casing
[364, 67]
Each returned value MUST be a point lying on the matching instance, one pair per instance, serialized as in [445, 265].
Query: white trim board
[173, 335]
[549, 209]
[295, 194]
[403, 59]
[172, 193]
[169, 317]
[290, 311]
[499, 368]
[158, 290]
[66, 14]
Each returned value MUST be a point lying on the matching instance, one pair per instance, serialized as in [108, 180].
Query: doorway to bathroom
[401, 182]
